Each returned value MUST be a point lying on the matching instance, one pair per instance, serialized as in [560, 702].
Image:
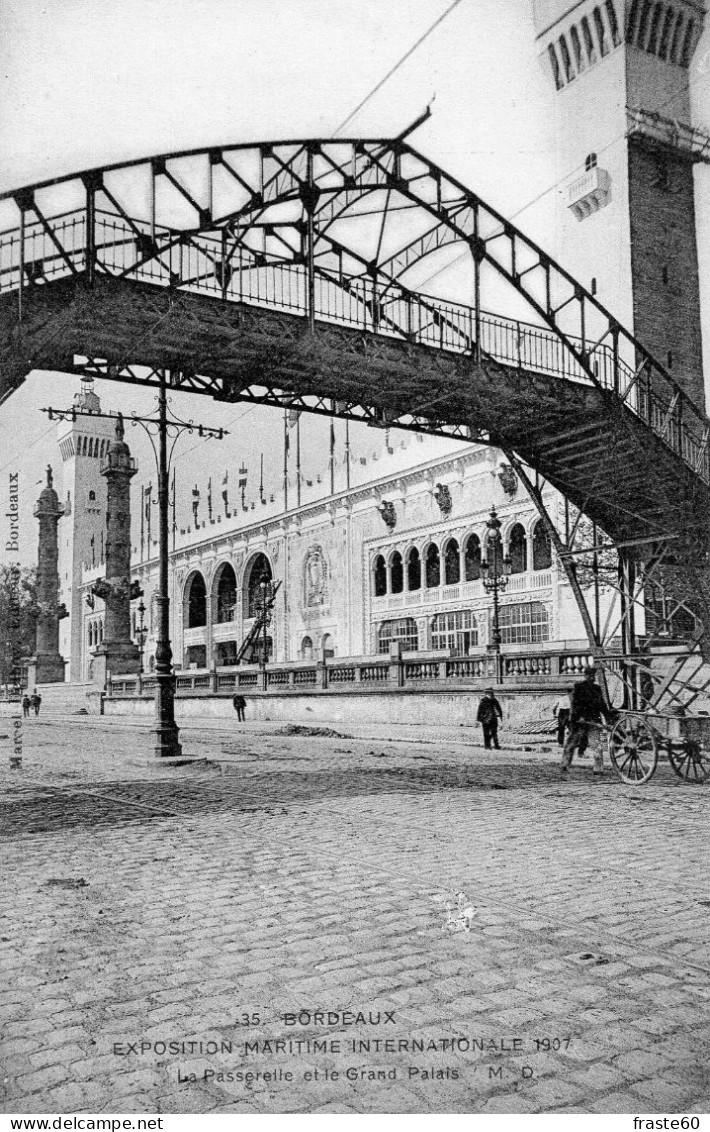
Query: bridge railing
[201, 262]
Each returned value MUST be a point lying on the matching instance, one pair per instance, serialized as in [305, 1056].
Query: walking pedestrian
[239, 705]
[561, 712]
[26, 705]
[489, 712]
[585, 722]
[36, 700]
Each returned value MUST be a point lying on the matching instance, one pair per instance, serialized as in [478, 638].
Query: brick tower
[619, 73]
[48, 664]
[83, 444]
[117, 653]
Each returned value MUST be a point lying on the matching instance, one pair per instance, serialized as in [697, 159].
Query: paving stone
[509, 1103]
[56, 1055]
[29, 1083]
[64, 1098]
[667, 1096]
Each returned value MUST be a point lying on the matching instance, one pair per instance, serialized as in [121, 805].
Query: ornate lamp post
[495, 569]
[265, 587]
[164, 427]
[141, 633]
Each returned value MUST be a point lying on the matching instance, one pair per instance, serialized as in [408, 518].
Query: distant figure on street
[585, 722]
[239, 706]
[36, 700]
[489, 712]
[561, 712]
[26, 705]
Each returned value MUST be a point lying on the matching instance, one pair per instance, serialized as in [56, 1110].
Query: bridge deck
[583, 439]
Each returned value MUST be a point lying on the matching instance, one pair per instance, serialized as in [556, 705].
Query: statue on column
[117, 653]
[48, 666]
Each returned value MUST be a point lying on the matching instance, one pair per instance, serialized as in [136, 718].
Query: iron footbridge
[318, 275]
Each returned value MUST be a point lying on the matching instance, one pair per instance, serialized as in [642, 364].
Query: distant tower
[118, 653]
[83, 443]
[48, 664]
[626, 226]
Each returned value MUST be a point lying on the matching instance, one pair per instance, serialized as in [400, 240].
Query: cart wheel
[633, 750]
[690, 760]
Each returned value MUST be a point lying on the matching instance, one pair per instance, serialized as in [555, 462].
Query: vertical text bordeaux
[12, 546]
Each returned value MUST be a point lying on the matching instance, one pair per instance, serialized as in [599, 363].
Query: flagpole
[298, 460]
[285, 459]
[332, 456]
[347, 453]
[174, 523]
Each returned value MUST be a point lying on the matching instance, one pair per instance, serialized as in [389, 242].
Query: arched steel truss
[294, 273]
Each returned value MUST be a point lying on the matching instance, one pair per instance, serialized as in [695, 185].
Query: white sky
[86, 82]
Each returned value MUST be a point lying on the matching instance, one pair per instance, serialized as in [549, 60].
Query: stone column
[118, 653]
[48, 666]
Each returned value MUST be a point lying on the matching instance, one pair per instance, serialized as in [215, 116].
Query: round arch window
[195, 606]
[226, 594]
[433, 566]
[518, 549]
[380, 576]
[397, 573]
[259, 570]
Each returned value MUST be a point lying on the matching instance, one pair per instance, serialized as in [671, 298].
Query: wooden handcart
[638, 738]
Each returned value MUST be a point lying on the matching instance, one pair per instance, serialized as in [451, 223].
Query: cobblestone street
[288, 873]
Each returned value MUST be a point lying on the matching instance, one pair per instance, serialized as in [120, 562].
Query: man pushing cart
[587, 711]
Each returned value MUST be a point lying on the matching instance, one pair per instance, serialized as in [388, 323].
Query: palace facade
[396, 559]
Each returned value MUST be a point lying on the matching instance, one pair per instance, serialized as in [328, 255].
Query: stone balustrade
[549, 666]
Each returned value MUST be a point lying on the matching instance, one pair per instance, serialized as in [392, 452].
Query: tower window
[664, 34]
[644, 20]
[566, 59]
[687, 44]
[670, 359]
[579, 60]
[601, 31]
[632, 20]
[590, 162]
[588, 40]
[593, 287]
[556, 73]
[673, 54]
[613, 23]
[652, 41]
[92, 497]
[664, 273]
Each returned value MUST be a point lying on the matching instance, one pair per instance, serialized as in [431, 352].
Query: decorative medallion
[315, 578]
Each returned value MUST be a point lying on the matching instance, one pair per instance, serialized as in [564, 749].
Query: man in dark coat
[585, 721]
[239, 705]
[489, 712]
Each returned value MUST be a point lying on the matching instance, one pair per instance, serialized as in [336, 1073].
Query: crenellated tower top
[626, 146]
[578, 34]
